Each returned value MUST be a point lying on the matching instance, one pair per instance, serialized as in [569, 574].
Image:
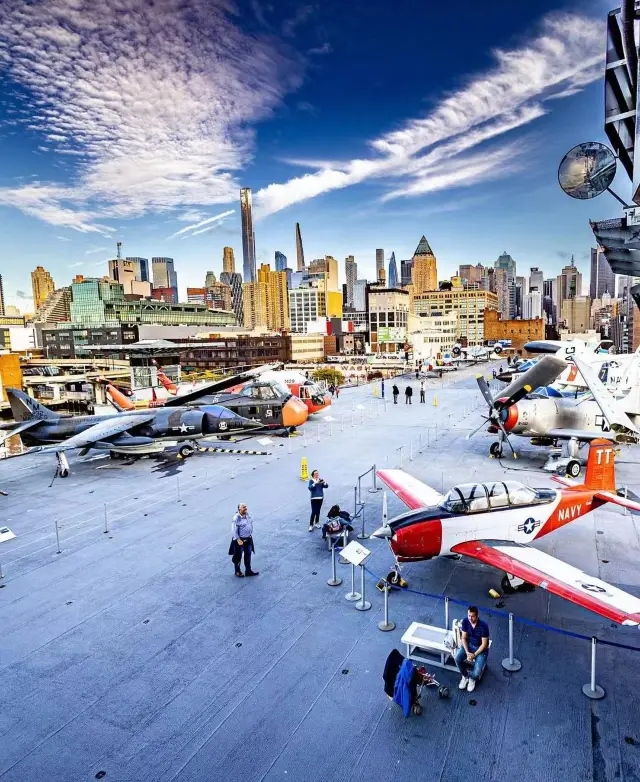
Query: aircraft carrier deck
[136, 655]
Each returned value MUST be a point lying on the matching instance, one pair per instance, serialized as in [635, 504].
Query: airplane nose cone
[382, 532]
[294, 412]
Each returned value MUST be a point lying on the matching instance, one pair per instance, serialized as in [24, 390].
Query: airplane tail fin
[172, 388]
[601, 471]
[24, 407]
[118, 399]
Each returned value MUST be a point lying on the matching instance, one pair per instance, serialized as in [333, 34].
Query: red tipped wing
[557, 577]
[410, 490]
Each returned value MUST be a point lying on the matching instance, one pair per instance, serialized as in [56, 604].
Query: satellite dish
[587, 170]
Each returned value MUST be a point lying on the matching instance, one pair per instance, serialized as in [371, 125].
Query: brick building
[518, 331]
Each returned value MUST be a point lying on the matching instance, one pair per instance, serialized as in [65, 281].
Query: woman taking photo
[317, 485]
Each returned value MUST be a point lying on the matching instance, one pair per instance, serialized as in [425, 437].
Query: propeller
[495, 410]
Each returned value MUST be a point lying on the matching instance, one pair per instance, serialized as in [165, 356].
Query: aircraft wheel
[114, 455]
[63, 473]
[496, 450]
[507, 589]
[186, 450]
[573, 468]
[443, 692]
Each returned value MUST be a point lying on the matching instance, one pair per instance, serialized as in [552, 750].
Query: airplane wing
[100, 431]
[18, 428]
[613, 414]
[630, 502]
[217, 386]
[410, 490]
[580, 434]
[556, 577]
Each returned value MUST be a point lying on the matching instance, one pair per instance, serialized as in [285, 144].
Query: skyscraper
[471, 274]
[234, 281]
[1, 296]
[277, 297]
[351, 274]
[281, 261]
[122, 271]
[360, 295]
[164, 276]
[379, 263]
[393, 271]
[569, 285]
[405, 272]
[209, 279]
[140, 268]
[248, 237]
[522, 289]
[299, 249]
[602, 277]
[424, 274]
[506, 285]
[42, 285]
[228, 260]
[536, 279]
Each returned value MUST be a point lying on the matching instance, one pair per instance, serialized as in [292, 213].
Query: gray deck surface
[138, 654]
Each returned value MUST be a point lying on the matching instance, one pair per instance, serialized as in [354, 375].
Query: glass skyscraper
[248, 237]
[393, 272]
[281, 261]
[164, 275]
[140, 268]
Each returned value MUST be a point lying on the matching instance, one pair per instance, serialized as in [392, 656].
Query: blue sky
[370, 123]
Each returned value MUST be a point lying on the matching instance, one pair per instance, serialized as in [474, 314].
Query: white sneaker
[463, 683]
[310, 527]
[317, 526]
[471, 686]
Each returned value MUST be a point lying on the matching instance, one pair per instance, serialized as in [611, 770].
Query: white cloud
[434, 152]
[213, 219]
[63, 238]
[93, 250]
[155, 101]
[75, 265]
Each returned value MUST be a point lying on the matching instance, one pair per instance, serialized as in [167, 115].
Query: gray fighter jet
[134, 432]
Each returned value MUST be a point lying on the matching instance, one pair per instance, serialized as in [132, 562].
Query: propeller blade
[484, 390]
[475, 431]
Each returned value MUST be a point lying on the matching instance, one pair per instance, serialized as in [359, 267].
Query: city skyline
[166, 183]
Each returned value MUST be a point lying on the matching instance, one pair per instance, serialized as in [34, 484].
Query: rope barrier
[505, 614]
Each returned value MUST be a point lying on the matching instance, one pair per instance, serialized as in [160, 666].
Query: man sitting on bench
[474, 649]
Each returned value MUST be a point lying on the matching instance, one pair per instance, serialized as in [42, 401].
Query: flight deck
[130, 653]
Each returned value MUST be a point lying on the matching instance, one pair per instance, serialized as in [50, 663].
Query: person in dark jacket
[317, 485]
[332, 390]
[395, 391]
[341, 516]
[242, 542]
[408, 393]
[422, 390]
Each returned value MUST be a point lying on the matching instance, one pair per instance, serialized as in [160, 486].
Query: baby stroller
[397, 667]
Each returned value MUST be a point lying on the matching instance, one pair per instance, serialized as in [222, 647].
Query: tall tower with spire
[393, 271]
[424, 274]
[299, 249]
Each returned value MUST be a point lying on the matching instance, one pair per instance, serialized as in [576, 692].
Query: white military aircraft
[547, 421]
[495, 523]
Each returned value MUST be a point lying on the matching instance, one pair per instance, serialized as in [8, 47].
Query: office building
[326, 270]
[505, 282]
[216, 296]
[209, 279]
[56, 308]
[536, 279]
[469, 304]
[2, 307]
[234, 281]
[140, 268]
[424, 274]
[42, 285]
[431, 337]
[576, 314]
[532, 305]
[123, 271]
[471, 274]
[281, 261]
[388, 319]
[379, 263]
[248, 236]
[569, 285]
[360, 295]
[522, 288]
[351, 274]
[393, 272]
[518, 331]
[98, 302]
[165, 277]
[228, 260]
[277, 299]
[299, 249]
[305, 306]
[603, 280]
[405, 273]
[488, 282]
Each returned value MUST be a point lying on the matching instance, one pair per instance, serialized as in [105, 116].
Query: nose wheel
[496, 450]
[63, 465]
[186, 450]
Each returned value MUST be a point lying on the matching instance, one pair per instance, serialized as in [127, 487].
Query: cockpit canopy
[265, 391]
[482, 497]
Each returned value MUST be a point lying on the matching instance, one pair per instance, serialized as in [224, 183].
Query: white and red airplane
[495, 522]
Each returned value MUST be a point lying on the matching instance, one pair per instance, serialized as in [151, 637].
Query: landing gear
[186, 450]
[63, 465]
[573, 468]
[496, 450]
[511, 584]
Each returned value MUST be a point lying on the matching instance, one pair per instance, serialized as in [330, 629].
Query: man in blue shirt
[473, 651]
[242, 541]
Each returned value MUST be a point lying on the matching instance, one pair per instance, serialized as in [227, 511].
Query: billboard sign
[391, 334]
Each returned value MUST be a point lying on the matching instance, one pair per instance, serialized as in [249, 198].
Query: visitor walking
[422, 397]
[396, 391]
[408, 393]
[242, 542]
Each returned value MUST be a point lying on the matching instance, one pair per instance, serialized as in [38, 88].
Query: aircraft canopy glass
[479, 497]
[264, 392]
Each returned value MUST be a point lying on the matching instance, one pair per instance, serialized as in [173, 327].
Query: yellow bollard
[435, 400]
[304, 469]
[375, 391]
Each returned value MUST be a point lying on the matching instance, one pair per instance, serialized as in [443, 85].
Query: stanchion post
[318, 432]
[1, 573]
[411, 449]
[363, 604]
[353, 595]
[386, 626]
[55, 521]
[593, 691]
[334, 581]
[362, 535]
[289, 442]
[178, 486]
[446, 613]
[510, 663]
[106, 520]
